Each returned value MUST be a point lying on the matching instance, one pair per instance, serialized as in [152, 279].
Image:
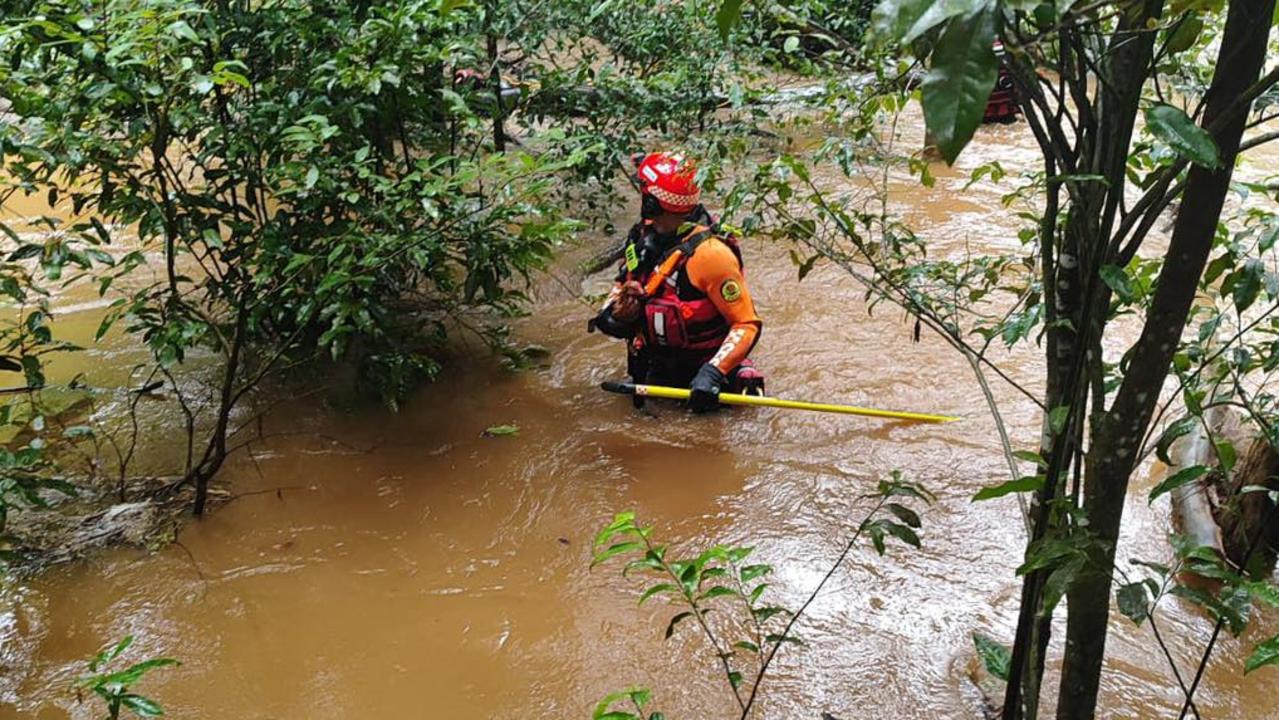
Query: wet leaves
[501, 431]
[994, 657]
[635, 699]
[1170, 434]
[1133, 601]
[1266, 653]
[1173, 126]
[1030, 483]
[959, 81]
[675, 620]
[1182, 477]
[113, 687]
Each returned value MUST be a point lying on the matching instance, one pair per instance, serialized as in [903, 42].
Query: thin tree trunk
[216, 453]
[1113, 454]
[499, 132]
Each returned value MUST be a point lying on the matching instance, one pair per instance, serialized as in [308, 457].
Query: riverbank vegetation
[265, 196]
[254, 191]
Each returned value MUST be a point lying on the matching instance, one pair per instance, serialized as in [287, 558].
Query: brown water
[403, 566]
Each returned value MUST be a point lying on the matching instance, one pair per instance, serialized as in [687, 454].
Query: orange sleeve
[715, 270]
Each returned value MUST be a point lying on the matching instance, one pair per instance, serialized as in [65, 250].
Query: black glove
[706, 388]
[611, 326]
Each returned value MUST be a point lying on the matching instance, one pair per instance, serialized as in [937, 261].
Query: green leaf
[1174, 127]
[670, 628]
[1173, 431]
[181, 29]
[752, 572]
[602, 711]
[746, 645]
[142, 706]
[995, 657]
[877, 538]
[891, 19]
[660, 588]
[716, 592]
[1058, 583]
[1057, 418]
[959, 81]
[898, 488]
[791, 45]
[1226, 455]
[765, 613]
[905, 514]
[1265, 592]
[134, 673]
[735, 679]
[1185, 476]
[1117, 280]
[1048, 552]
[1184, 36]
[640, 696]
[644, 563]
[615, 550]
[714, 572]
[26, 251]
[1219, 264]
[730, 13]
[1268, 237]
[1249, 284]
[502, 430]
[112, 653]
[1030, 456]
[1133, 601]
[903, 533]
[689, 575]
[757, 591]
[13, 234]
[1030, 483]
[1267, 653]
[1236, 605]
[942, 10]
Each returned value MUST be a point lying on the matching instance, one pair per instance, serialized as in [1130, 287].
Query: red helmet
[669, 179]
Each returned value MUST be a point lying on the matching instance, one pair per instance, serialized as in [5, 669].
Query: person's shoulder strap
[702, 234]
[699, 235]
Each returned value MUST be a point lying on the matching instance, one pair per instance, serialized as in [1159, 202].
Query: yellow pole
[670, 393]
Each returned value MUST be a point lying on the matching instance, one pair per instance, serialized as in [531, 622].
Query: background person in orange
[681, 301]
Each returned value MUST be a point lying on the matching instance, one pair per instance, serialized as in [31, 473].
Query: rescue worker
[1001, 106]
[680, 300]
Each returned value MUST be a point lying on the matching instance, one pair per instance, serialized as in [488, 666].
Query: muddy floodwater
[401, 565]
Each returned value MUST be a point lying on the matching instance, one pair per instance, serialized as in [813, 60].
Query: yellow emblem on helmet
[731, 291]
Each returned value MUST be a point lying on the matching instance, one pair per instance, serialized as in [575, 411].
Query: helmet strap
[650, 208]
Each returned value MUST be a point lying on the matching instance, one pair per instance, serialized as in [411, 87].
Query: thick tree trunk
[1243, 517]
[1080, 299]
[1113, 454]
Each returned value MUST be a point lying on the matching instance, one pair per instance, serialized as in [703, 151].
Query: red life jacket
[1001, 106]
[677, 315]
